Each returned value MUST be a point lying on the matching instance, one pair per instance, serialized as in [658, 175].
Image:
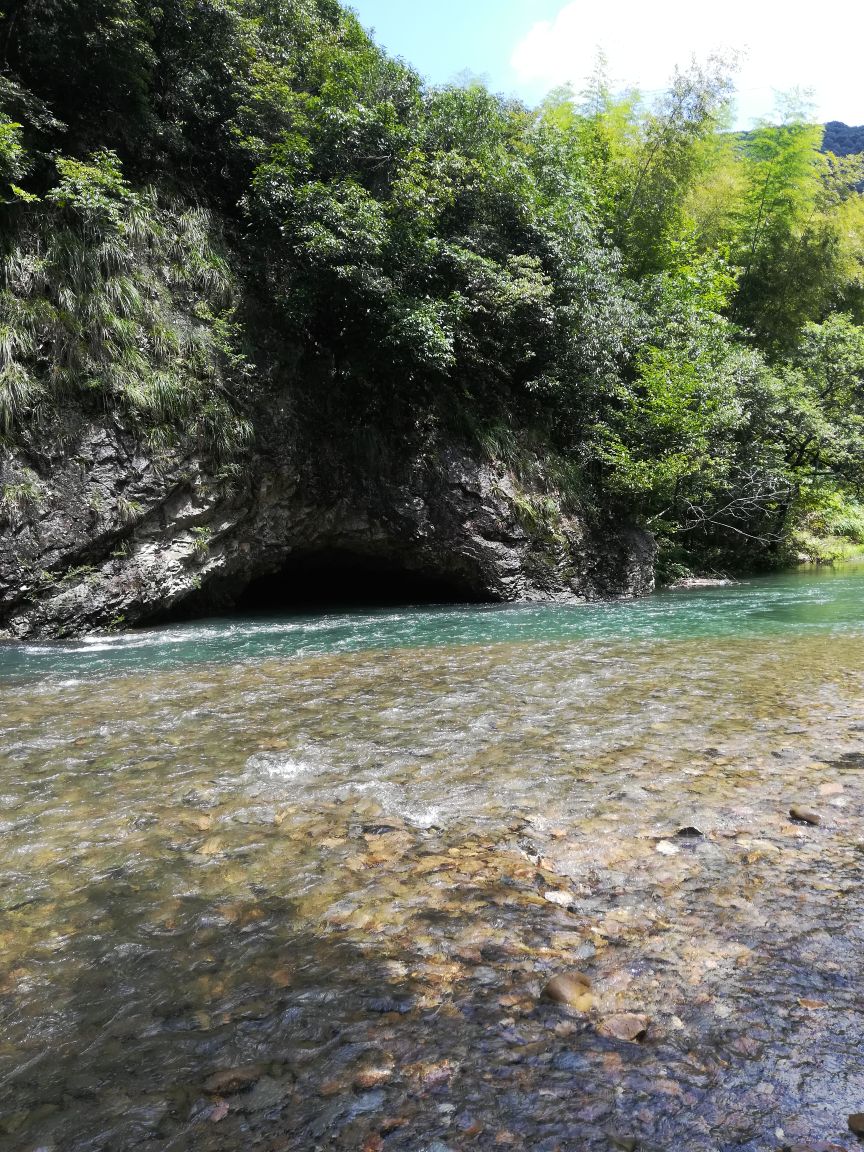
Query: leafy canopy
[204, 201]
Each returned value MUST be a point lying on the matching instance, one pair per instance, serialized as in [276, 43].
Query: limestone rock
[117, 535]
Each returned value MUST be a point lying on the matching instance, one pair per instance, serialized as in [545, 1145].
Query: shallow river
[299, 883]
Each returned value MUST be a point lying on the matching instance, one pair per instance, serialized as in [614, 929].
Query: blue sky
[526, 47]
[442, 38]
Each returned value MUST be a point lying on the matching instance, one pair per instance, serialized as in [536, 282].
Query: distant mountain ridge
[843, 139]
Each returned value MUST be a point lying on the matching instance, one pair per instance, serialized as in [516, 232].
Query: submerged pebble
[572, 988]
[667, 848]
[373, 1077]
[227, 1081]
[804, 815]
[624, 1026]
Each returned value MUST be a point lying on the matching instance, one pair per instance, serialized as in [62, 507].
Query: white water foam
[278, 767]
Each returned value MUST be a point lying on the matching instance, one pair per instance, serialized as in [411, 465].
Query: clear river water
[298, 882]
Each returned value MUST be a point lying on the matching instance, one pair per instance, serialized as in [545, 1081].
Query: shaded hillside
[843, 140]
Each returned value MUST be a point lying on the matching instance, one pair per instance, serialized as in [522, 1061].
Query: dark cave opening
[338, 578]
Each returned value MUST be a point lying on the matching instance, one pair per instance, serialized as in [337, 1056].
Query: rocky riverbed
[316, 902]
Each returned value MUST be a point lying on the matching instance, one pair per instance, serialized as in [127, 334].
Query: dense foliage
[843, 139]
[201, 198]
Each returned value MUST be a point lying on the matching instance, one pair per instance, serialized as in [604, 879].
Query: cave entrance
[337, 579]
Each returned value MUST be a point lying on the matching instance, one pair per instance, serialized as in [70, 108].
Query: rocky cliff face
[98, 533]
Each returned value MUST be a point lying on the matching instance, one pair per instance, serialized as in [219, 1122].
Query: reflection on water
[299, 884]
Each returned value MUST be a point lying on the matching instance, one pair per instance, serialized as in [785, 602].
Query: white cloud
[784, 47]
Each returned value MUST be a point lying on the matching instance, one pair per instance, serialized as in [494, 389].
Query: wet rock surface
[107, 534]
[299, 904]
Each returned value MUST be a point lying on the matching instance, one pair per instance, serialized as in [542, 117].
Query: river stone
[391, 1123]
[849, 761]
[386, 1004]
[625, 1026]
[367, 1102]
[268, 1093]
[229, 1080]
[856, 1123]
[333, 1087]
[368, 1078]
[558, 896]
[819, 1146]
[571, 988]
[804, 815]
[667, 848]
[832, 788]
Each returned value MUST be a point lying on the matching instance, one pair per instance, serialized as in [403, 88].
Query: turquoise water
[816, 600]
